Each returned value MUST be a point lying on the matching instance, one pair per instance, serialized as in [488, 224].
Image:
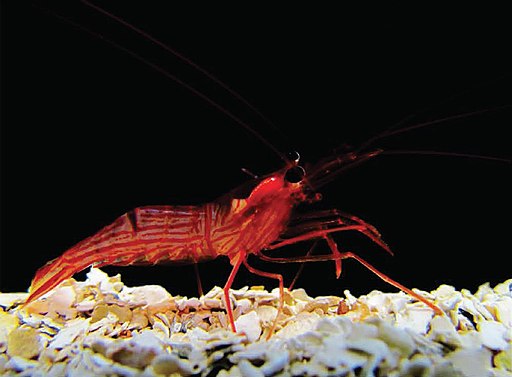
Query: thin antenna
[187, 60]
[392, 131]
[444, 153]
[445, 101]
[165, 73]
[182, 57]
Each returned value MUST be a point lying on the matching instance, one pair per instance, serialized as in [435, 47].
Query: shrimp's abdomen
[145, 235]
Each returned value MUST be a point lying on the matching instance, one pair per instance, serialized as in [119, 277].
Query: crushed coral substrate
[100, 327]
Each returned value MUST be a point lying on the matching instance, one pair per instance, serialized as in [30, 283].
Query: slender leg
[335, 253]
[394, 283]
[310, 251]
[325, 219]
[281, 291]
[198, 279]
[320, 233]
[345, 255]
[333, 219]
[236, 265]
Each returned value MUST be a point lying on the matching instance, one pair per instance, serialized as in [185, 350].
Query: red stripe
[120, 248]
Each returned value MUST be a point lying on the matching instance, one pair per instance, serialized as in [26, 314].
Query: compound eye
[293, 156]
[295, 174]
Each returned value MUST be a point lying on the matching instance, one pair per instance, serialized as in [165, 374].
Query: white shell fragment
[101, 327]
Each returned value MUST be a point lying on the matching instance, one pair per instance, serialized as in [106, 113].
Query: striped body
[175, 234]
[228, 226]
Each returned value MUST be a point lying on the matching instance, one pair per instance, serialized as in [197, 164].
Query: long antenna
[183, 58]
[445, 153]
[191, 63]
[393, 131]
[165, 73]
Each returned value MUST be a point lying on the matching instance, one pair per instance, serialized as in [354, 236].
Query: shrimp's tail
[52, 274]
[95, 250]
[143, 236]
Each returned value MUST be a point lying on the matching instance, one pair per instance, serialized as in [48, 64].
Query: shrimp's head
[295, 183]
[301, 183]
[286, 183]
[266, 209]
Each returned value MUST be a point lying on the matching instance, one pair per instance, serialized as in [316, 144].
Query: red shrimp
[234, 226]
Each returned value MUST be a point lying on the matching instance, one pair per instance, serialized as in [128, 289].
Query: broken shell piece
[24, 342]
[71, 331]
[152, 297]
[447, 297]
[3, 360]
[137, 352]
[8, 322]
[249, 324]
[139, 319]
[86, 305]
[38, 306]
[123, 313]
[415, 318]
[62, 302]
[99, 312]
[107, 284]
[502, 310]
[266, 315]
[188, 303]
[161, 327]
[301, 295]
[8, 300]
[20, 364]
[504, 288]
[211, 303]
[503, 360]
[341, 361]
[215, 292]
[442, 330]
[243, 305]
[493, 335]
[323, 303]
[167, 365]
[397, 338]
[472, 362]
[298, 325]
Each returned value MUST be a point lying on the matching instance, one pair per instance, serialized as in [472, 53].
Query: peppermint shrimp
[235, 225]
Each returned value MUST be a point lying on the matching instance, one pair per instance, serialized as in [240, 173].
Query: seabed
[100, 327]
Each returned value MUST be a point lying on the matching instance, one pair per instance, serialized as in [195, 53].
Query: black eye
[295, 174]
[293, 156]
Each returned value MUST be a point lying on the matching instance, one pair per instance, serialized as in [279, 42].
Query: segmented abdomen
[145, 235]
[148, 235]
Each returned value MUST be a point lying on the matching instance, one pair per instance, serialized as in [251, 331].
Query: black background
[89, 132]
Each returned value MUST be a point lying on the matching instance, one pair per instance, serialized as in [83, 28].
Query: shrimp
[235, 225]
